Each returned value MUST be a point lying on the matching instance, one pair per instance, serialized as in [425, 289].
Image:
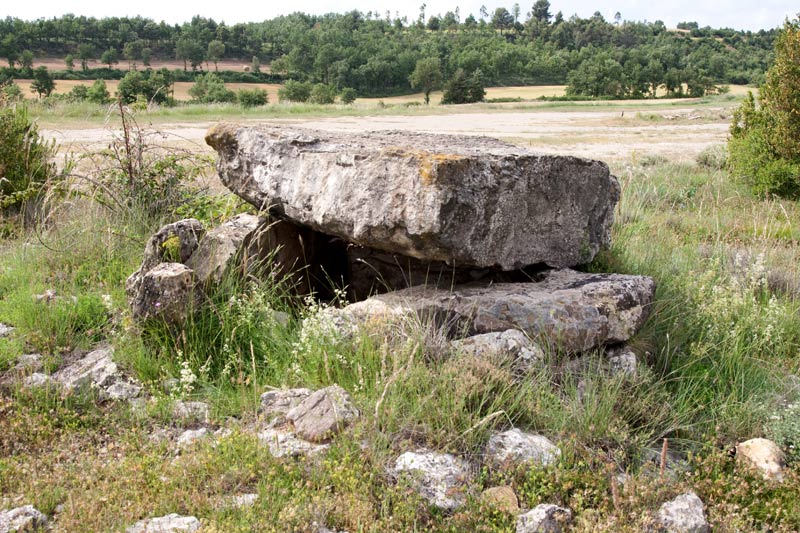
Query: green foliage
[211, 89]
[252, 97]
[348, 95]
[322, 94]
[10, 92]
[43, 83]
[464, 89]
[294, 91]
[98, 93]
[110, 57]
[764, 145]
[27, 169]
[153, 86]
[427, 76]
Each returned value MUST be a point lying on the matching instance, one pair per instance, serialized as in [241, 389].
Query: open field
[676, 129]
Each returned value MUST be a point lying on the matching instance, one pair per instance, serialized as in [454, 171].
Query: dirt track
[679, 133]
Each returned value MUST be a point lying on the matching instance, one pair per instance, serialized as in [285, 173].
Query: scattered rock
[623, 361]
[122, 390]
[189, 437]
[166, 524]
[5, 331]
[47, 296]
[684, 514]
[762, 455]
[501, 499]
[323, 414]
[244, 500]
[28, 362]
[280, 402]
[37, 379]
[544, 518]
[190, 412]
[515, 446]
[221, 246]
[286, 444]
[25, 518]
[440, 478]
[95, 369]
[572, 310]
[184, 234]
[510, 344]
[166, 291]
[468, 201]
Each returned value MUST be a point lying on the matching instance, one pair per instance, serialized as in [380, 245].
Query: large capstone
[565, 309]
[471, 202]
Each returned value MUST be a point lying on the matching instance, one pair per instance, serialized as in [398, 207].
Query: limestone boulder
[165, 292]
[440, 478]
[515, 446]
[684, 514]
[222, 246]
[323, 414]
[25, 518]
[466, 201]
[280, 402]
[511, 344]
[570, 310]
[762, 455]
[282, 443]
[175, 242]
[544, 518]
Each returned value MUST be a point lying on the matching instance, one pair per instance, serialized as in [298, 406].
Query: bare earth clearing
[676, 133]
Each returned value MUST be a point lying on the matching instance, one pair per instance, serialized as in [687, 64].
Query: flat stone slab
[572, 310]
[467, 201]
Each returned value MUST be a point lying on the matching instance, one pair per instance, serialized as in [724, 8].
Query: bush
[348, 95]
[211, 89]
[10, 92]
[78, 93]
[764, 145]
[294, 91]
[252, 97]
[98, 93]
[463, 89]
[714, 157]
[26, 166]
[322, 94]
[155, 87]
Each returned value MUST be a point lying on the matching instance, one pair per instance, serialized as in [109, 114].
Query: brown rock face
[465, 201]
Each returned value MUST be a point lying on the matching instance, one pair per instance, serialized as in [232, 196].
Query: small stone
[165, 292]
[122, 390]
[515, 446]
[501, 498]
[684, 514]
[190, 437]
[47, 296]
[440, 478]
[166, 524]
[623, 361]
[5, 331]
[244, 500]
[25, 518]
[544, 518]
[762, 455]
[323, 414]
[286, 444]
[188, 412]
[280, 402]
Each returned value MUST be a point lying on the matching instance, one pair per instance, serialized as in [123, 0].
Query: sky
[737, 14]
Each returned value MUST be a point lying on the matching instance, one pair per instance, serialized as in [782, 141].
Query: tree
[764, 145]
[427, 76]
[69, 61]
[322, 94]
[216, 49]
[464, 89]
[255, 65]
[110, 57]
[26, 61]
[502, 19]
[348, 95]
[85, 53]
[294, 91]
[541, 11]
[42, 83]
[133, 52]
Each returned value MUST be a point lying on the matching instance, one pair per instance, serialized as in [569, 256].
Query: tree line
[376, 54]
